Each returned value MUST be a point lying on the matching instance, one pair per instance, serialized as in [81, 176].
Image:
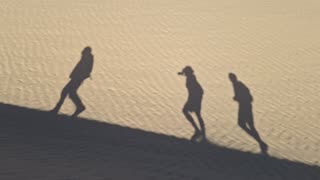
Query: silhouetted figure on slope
[245, 116]
[193, 103]
[81, 72]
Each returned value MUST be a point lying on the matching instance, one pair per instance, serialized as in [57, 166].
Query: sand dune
[39, 145]
[139, 46]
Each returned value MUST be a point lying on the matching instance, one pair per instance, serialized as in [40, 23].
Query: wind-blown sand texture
[139, 46]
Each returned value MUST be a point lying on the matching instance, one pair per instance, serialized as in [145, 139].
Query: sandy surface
[139, 46]
[63, 148]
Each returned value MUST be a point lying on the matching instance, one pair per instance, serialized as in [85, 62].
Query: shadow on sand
[38, 145]
[245, 115]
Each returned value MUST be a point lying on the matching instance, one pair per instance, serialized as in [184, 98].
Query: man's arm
[235, 97]
[91, 67]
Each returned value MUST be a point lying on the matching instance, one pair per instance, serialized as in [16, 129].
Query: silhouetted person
[245, 116]
[193, 103]
[81, 72]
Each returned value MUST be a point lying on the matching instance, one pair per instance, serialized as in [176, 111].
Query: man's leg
[242, 124]
[77, 101]
[243, 117]
[190, 119]
[201, 122]
[256, 136]
[253, 132]
[63, 96]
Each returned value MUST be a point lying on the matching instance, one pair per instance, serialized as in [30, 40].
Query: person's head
[187, 70]
[86, 50]
[233, 78]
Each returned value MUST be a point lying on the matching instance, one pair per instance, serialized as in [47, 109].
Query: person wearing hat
[80, 73]
[193, 104]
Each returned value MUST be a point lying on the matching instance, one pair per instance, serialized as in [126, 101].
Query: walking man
[80, 73]
[245, 115]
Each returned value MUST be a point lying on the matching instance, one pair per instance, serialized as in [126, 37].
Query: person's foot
[204, 137]
[54, 111]
[264, 148]
[78, 111]
[196, 136]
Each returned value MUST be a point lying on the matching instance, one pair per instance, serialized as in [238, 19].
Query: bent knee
[64, 91]
[242, 124]
[185, 111]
